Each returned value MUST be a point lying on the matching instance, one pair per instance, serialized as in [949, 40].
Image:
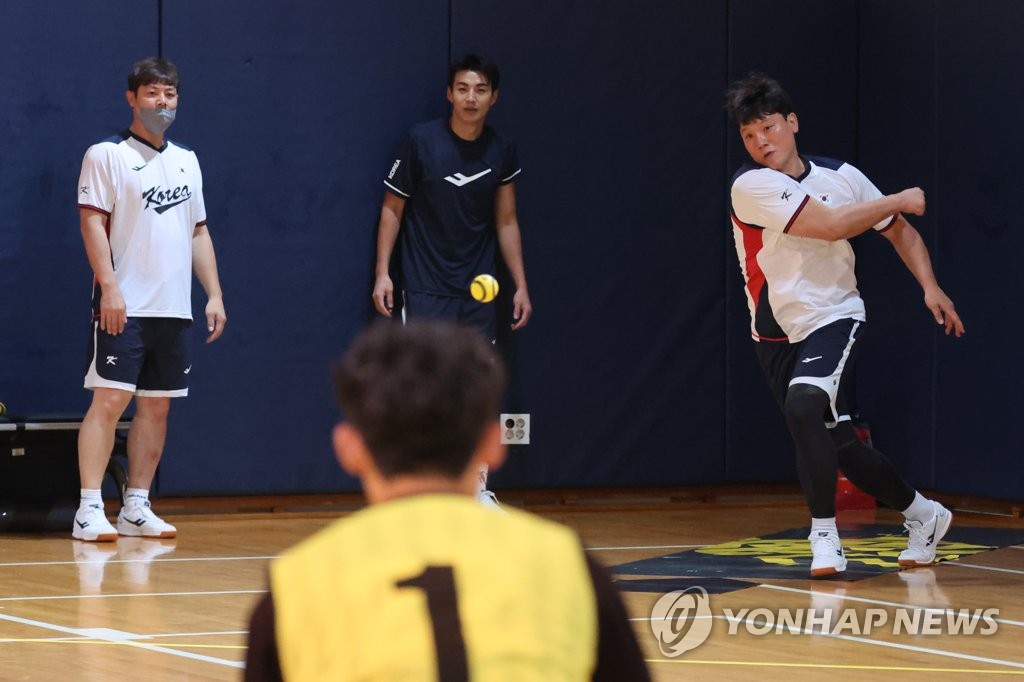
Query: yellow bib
[390, 592]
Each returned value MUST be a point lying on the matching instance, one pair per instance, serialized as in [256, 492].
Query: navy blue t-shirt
[448, 231]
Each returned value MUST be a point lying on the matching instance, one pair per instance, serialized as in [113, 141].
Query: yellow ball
[483, 288]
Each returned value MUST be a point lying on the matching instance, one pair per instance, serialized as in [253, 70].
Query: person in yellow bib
[425, 583]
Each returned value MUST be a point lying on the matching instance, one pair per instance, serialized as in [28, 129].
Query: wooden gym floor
[177, 609]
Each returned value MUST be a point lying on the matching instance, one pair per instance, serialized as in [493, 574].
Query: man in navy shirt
[451, 200]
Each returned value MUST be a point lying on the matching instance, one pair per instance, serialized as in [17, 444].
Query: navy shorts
[462, 309]
[824, 359]
[149, 358]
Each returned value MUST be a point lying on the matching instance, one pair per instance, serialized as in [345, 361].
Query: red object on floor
[849, 496]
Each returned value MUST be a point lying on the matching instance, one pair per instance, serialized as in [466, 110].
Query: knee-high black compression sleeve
[870, 470]
[816, 458]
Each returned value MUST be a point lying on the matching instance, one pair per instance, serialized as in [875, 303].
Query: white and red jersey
[154, 201]
[795, 285]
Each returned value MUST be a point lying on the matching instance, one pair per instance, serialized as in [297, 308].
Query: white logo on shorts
[111, 359]
[816, 357]
[188, 369]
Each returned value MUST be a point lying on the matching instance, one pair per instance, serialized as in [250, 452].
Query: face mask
[157, 121]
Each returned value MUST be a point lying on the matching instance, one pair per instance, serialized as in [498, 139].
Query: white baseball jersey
[154, 201]
[795, 285]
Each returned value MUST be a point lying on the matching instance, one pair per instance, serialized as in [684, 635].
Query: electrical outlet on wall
[515, 429]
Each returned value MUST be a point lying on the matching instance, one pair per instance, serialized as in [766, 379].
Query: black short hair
[755, 97]
[474, 62]
[420, 394]
[152, 70]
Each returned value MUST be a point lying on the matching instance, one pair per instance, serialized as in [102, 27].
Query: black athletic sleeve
[404, 173]
[510, 159]
[618, 653]
[261, 661]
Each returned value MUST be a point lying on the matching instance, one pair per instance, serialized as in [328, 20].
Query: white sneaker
[91, 525]
[138, 520]
[827, 553]
[489, 500]
[924, 538]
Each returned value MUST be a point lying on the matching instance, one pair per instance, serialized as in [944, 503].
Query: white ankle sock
[920, 509]
[828, 525]
[90, 496]
[135, 496]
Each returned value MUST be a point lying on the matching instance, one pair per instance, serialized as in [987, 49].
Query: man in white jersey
[143, 220]
[792, 216]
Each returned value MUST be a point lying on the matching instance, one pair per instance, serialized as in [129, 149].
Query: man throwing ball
[792, 216]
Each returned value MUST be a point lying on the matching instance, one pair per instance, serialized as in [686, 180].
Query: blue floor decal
[870, 550]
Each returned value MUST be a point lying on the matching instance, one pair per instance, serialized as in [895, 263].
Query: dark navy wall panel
[63, 84]
[936, 75]
[637, 367]
[978, 379]
[294, 111]
[783, 40]
[615, 107]
[898, 149]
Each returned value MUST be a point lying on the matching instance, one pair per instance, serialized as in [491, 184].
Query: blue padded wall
[63, 83]
[978, 147]
[637, 368]
[940, 117]
[294, 113]
[897, 386]
[615, 108]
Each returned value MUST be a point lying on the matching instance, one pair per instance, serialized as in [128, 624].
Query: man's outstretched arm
[912, 251]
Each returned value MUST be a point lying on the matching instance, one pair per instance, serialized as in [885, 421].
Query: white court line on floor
[164, 635]
[601, 549]
[201, 634]
[1015, 571]
[131, 561]
[140, 594]
[123, 640]
[875, 642]
[865, 600]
